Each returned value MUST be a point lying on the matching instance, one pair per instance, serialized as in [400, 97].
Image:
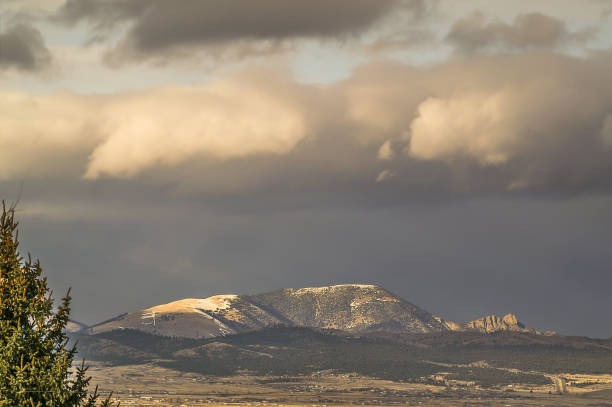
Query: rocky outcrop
[450, 325]
[493, 323]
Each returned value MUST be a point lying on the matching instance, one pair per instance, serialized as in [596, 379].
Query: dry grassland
[150, 385]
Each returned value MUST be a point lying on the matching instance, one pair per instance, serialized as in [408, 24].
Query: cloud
[122, 135]
[532, 121]
[473, 126]
[102, 15]
[385, 152]
[401, 40]
[535, 122]
[31, 5]
[45, 135]
[22, 47]
[158, 29]
[385, 175]
[529, 30]
[227, 119]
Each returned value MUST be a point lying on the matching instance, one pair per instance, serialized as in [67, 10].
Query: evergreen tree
[35, 359]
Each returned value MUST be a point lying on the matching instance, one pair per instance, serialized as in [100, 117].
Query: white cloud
[385, 175]
[519, 121]
[474, 126]
[385, 152]
[124, 134]
[224, 120]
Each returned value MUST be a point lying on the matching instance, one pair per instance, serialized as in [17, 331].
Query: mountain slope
[347, 307]
[75, 326]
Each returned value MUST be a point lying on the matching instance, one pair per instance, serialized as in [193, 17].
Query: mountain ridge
[346, 307]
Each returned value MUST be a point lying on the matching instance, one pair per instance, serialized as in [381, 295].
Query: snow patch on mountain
[364, 300]
[197, 305]
[319, 290]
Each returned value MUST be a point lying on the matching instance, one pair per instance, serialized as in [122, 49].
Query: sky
[457, 153]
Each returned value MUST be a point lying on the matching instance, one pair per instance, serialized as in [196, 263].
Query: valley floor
[151, 385]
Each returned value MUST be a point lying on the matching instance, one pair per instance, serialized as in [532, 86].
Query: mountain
[346, 307]
[191, 318]
[75, 326]
[349, 307]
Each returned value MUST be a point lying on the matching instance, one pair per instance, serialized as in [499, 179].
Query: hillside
[489, 359]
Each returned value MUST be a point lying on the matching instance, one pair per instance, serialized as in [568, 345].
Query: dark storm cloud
[402, 40]
[123, 245]
[158, 27]
[22, 47]
[102, 15]
[530, 30]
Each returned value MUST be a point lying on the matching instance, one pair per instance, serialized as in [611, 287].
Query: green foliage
[35, 359]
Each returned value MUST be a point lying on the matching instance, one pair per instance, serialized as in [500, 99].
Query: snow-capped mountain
[349, 307]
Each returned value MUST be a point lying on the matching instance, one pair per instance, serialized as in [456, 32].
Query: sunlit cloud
[536, 121]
